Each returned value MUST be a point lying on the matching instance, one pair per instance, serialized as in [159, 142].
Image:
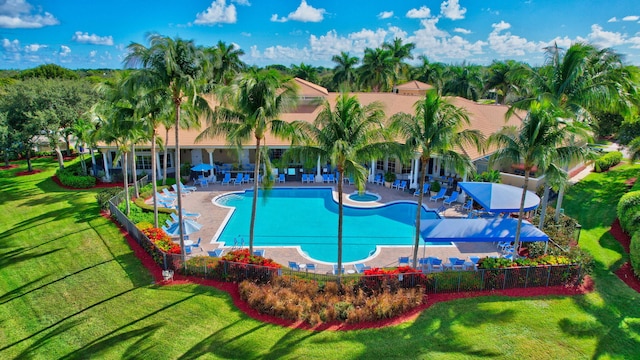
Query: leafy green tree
[306, 72]
[436, 129]
[49, 71]
[504, 81]
[377, 69]
[250, 109]
[348, 135]
[223, 63]
[430, 73]
[542, 140]
[344, 73]
[464, 81]
[634, 150]
[400, 52]
[174, 67]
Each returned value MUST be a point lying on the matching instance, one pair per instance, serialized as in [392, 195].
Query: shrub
[435, 186]
[608, 160]
[628, 211]
[634, 253]
[137, 215]
[162, 240]
[104, 195]
[149, 207]
[389, 177]
[72, 178]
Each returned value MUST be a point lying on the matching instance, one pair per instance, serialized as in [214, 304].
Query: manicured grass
[71, 288]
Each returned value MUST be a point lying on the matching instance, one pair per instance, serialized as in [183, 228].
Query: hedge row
[634, 253]
[628, 212]
[608, 160]
[71, 178]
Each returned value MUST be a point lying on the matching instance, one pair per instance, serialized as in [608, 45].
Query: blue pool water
[309, 218]
[366, 197]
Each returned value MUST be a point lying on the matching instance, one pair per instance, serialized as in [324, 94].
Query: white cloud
[19, 14]
[34, 47]
[283, 52]
[397, 32]
[11, 45]
[635, 41]
[507, 44]
[94, 39]
[451, 10]
[462, 31]
[242, 2]
[631, 18]
[93, 53]
[385, 15]
[440, 45]
[245, 34]
[217, 12]
[422, 13]
[605, 39]
[613, 19]
[306, 13]
[64, 50]
[275, 18]
[331, 44]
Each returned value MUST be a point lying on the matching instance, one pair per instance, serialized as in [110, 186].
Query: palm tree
[634, 150]
[464, 81]
[436, 129]
[223, 63]
[347, 136]
[306, 72]
[503, 80]
[430, 73]
[581, 81]
[173, 67]
[250, 109]
[399, 52]
[377, 69]
[344, 74]
[542, 140]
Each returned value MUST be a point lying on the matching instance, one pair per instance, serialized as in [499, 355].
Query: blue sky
[95, 34]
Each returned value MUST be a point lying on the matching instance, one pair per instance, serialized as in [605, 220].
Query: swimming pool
[308, 218]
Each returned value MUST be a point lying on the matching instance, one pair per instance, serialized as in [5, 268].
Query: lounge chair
[294, 266]
[379, 180]
[439, 195]
[360, 267]
[425, 190]
[247, 178]
[468, 205]
[197, 244]
[226, 180]
[187, 188]
[259, 252]
[215, 253]
[435, 265]
[451, 198]
[168, 194]
[332, 178]
[403, 260]
[239, 179]
[305, 178]
[281, 178]
[472, 264]
[189, 214]
[183, 191]
[335, 269]
[311, 267]
[455, 264]
[402, 186]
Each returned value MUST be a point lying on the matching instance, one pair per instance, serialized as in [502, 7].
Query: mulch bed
[232, 289]
[625, 273]
[25, 173]
[11, 166]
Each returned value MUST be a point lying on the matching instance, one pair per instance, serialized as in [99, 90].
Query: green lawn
[71, 288]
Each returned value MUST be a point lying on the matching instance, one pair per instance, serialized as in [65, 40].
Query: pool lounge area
[214, 216]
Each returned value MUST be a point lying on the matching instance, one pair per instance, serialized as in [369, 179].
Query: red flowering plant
[378, 279]
[235, 266]
[162, 240]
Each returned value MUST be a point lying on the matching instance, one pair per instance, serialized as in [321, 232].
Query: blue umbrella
[189, 227]
[202, 167]
[499, 197]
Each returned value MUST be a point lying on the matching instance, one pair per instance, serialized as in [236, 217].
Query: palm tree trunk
[164, 161]
[125, 175]
[559, 204]
[153, 179]
[254, 201]
[134, 172]
[416, 245]
[59, 155]
[340, 219]
[29, 168]
[516, 243]
[179, 191]
[545, 201]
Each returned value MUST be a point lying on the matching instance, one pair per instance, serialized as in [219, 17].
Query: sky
[95, 34]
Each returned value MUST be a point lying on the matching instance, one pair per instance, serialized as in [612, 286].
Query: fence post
[548, 275]
[459, 280]
[164, 260]
[526, 278]
[504, 283]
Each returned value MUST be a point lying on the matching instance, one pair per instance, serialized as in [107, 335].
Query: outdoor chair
[425, 190]
[187, 188]
[305, 178]
[226, 180]
[435, 265]
[439, 195]
[215, 253]
[361, 267]
[247, 178]
[395, 184]
[168, 194]
[335, 269]
[311, 267]
[183, 191]
[202, 181]
[402, 186]
[378, 180]
[187, 249]
[468, 205]
[472, 264]
[451, 198]
[197, 244]
[331, 178]
[294, 266]
[281, 178]
[403, 260]
[189, 214]
[455, 264]
[239, 179]
[259, 252]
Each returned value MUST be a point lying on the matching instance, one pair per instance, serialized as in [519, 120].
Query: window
[391, 166]
[406, 169]
[143, 162]
[380, 165]
[276, 153]
[169, 160]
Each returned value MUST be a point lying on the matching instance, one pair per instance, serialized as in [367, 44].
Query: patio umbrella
[202, 167]
[189, 227]
[499, 197]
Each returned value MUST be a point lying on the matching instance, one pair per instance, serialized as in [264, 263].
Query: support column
[106, 165]
[158, 165]
[372, 171]
[416, 173]
[212, 177]
[318, 172]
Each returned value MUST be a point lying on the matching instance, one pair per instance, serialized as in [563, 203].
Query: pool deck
[213, 216]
